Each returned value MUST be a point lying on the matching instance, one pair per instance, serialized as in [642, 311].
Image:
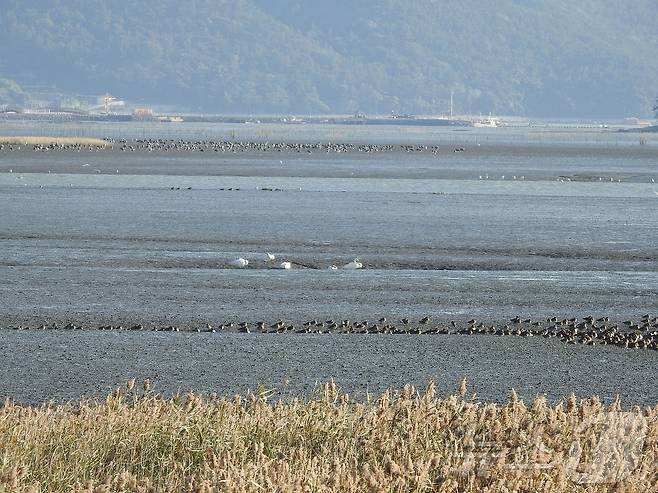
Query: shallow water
[453, 236]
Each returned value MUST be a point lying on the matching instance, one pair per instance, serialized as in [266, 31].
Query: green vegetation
[399, 442]
[11, 93]
[541, 58]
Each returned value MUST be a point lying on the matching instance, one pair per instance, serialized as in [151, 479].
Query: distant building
[143, 114]
[8, 110]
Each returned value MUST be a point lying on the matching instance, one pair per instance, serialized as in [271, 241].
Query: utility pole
[451, 97]
[107, 100]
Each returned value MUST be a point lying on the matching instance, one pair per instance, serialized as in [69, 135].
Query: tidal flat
[561, 225]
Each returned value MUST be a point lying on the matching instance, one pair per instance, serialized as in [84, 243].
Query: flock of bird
[229, 146]
[589, 330]
[641, 334]
[53, 147]
[241, 263]
[225, 146]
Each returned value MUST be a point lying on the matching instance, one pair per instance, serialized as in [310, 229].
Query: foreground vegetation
[402, 441]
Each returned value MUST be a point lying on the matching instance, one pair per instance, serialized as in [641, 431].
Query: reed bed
[47, 141]
[137, 441]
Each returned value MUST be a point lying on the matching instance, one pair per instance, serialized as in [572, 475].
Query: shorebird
[354, 264]
[239, 262]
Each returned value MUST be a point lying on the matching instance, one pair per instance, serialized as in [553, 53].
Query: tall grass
[401, 441]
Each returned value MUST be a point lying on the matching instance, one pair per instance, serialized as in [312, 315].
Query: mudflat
[494, 231]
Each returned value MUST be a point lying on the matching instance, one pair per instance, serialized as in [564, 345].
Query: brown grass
[44, 140]
[403, 441]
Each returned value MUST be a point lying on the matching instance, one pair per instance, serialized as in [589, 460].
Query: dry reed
[46, 141]
[136, 441]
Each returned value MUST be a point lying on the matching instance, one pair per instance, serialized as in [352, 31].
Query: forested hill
[585, 58]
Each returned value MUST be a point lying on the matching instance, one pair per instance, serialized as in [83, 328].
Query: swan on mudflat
[269, 257]
[354, 264]
[285, 265]
[239, 262]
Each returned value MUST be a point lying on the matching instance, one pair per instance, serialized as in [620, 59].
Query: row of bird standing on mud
[591, 331]
[270, 260]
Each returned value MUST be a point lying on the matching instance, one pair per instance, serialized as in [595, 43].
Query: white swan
[332, 267]
[239, 262]
[285, 265]
[269, 257]
[354, 264]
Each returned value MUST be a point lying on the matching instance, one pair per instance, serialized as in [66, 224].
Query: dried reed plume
[136, 441]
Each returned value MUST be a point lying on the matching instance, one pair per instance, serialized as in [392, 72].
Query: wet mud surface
[489, 233]
[38, 366]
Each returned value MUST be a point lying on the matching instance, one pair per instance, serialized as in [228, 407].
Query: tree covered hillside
[591, 58]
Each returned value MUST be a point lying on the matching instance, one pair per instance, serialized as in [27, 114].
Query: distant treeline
[595, 58]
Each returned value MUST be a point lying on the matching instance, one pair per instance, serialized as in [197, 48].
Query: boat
[488, 122]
